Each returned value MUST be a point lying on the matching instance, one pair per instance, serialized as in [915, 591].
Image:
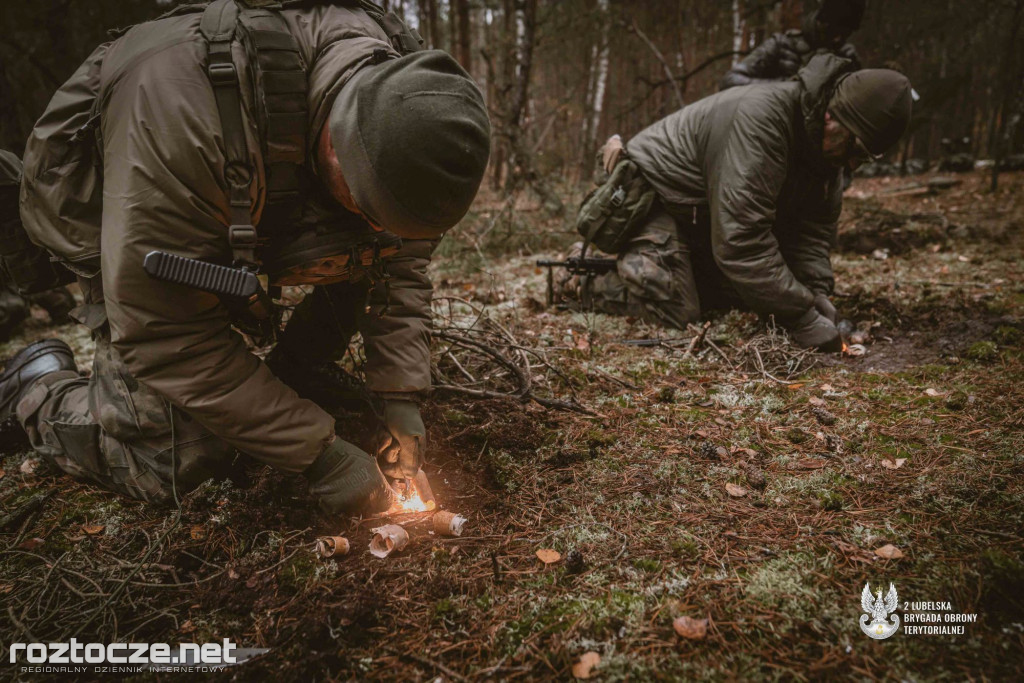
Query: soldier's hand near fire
[825, 306]
[402, 440]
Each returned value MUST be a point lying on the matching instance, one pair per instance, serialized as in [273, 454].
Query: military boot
[29, 365]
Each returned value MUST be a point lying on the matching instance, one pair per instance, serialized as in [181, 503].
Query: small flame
[413, 503]
[846, 347]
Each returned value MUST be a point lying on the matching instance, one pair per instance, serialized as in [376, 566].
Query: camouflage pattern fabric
[113, 430]
[661, 277]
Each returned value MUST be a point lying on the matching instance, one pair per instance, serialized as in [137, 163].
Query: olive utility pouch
[613, 211]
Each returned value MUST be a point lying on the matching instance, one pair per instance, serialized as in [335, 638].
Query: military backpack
[615, 210]
[62, 191]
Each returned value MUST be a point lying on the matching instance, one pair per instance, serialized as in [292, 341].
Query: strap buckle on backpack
[242, 240]
[222, 73]
[618, 197]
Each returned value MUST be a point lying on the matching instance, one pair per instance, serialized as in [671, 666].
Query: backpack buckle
[618, 197]
[222, 73]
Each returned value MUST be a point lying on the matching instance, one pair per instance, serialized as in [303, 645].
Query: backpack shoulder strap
[218, 25]
[282, 82]
[403, 38]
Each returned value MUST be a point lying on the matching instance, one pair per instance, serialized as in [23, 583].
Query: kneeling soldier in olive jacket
[748, 195]
[247, 137]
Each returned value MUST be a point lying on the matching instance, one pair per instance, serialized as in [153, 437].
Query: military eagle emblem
[878, 623]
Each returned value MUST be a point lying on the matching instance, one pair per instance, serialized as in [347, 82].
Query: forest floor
[743, 482]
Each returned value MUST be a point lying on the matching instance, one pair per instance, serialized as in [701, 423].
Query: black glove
[814, 331]
[402, 441]
[825, 307]
[346, 480]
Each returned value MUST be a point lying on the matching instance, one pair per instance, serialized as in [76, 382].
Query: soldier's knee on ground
[656, 273]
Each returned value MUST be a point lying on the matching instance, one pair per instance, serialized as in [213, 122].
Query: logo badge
[878, 623]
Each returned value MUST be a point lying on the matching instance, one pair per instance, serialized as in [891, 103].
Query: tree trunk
[1011, 94]
[596, 87]
[737, 31]
[433, 31]
[11, 135]
[464, 51]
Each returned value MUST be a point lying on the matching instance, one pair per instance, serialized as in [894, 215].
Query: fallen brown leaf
[2, 473]
[29, 466]
[889, 552]
[93, 529]
[827, 388]
[815, 401]
[30, 543]
[735, 490]
[232, 574]
[690, 628]
[795, 387]
[5, 588]
[931, 392]
[585, 667]
[548, 556]
[891, 465]
[197, 532]
[811, 463]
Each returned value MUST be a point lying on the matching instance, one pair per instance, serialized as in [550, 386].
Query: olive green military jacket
[752, 155]
[163, 188]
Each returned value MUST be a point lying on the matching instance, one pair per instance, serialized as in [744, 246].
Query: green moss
[830, 500]
[502, 470]
[647, 564]
[1008, 336]
[796, 435]
[982, 351]
[685, 546]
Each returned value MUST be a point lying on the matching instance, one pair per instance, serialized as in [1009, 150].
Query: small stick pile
[775, 357]
[474, 355]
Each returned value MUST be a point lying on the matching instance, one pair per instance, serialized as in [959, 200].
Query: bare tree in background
[737, 31]
[597, 83]
[462, 34]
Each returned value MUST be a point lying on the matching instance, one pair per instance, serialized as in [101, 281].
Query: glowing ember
[846, 347]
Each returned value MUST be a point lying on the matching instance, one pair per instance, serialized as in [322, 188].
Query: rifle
[576, 266]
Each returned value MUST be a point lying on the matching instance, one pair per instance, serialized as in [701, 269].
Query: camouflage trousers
[666, 275]
[115, 431]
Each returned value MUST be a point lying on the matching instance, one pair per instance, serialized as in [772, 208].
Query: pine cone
[823, 416]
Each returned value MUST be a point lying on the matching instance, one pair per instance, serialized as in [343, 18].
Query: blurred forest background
[562, 75]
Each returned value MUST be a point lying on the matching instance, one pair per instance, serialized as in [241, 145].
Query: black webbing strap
[218, 27]
[282, 82]
[403, 38]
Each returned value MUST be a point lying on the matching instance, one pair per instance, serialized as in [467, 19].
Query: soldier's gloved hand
[347, 480]
[824, 306]
[789, 59]
[814, 331]
[403, 439]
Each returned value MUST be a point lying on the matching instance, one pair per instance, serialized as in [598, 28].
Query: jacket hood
[818, 81]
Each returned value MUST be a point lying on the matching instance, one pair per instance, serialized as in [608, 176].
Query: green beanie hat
[875, 105]
[413, 138]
